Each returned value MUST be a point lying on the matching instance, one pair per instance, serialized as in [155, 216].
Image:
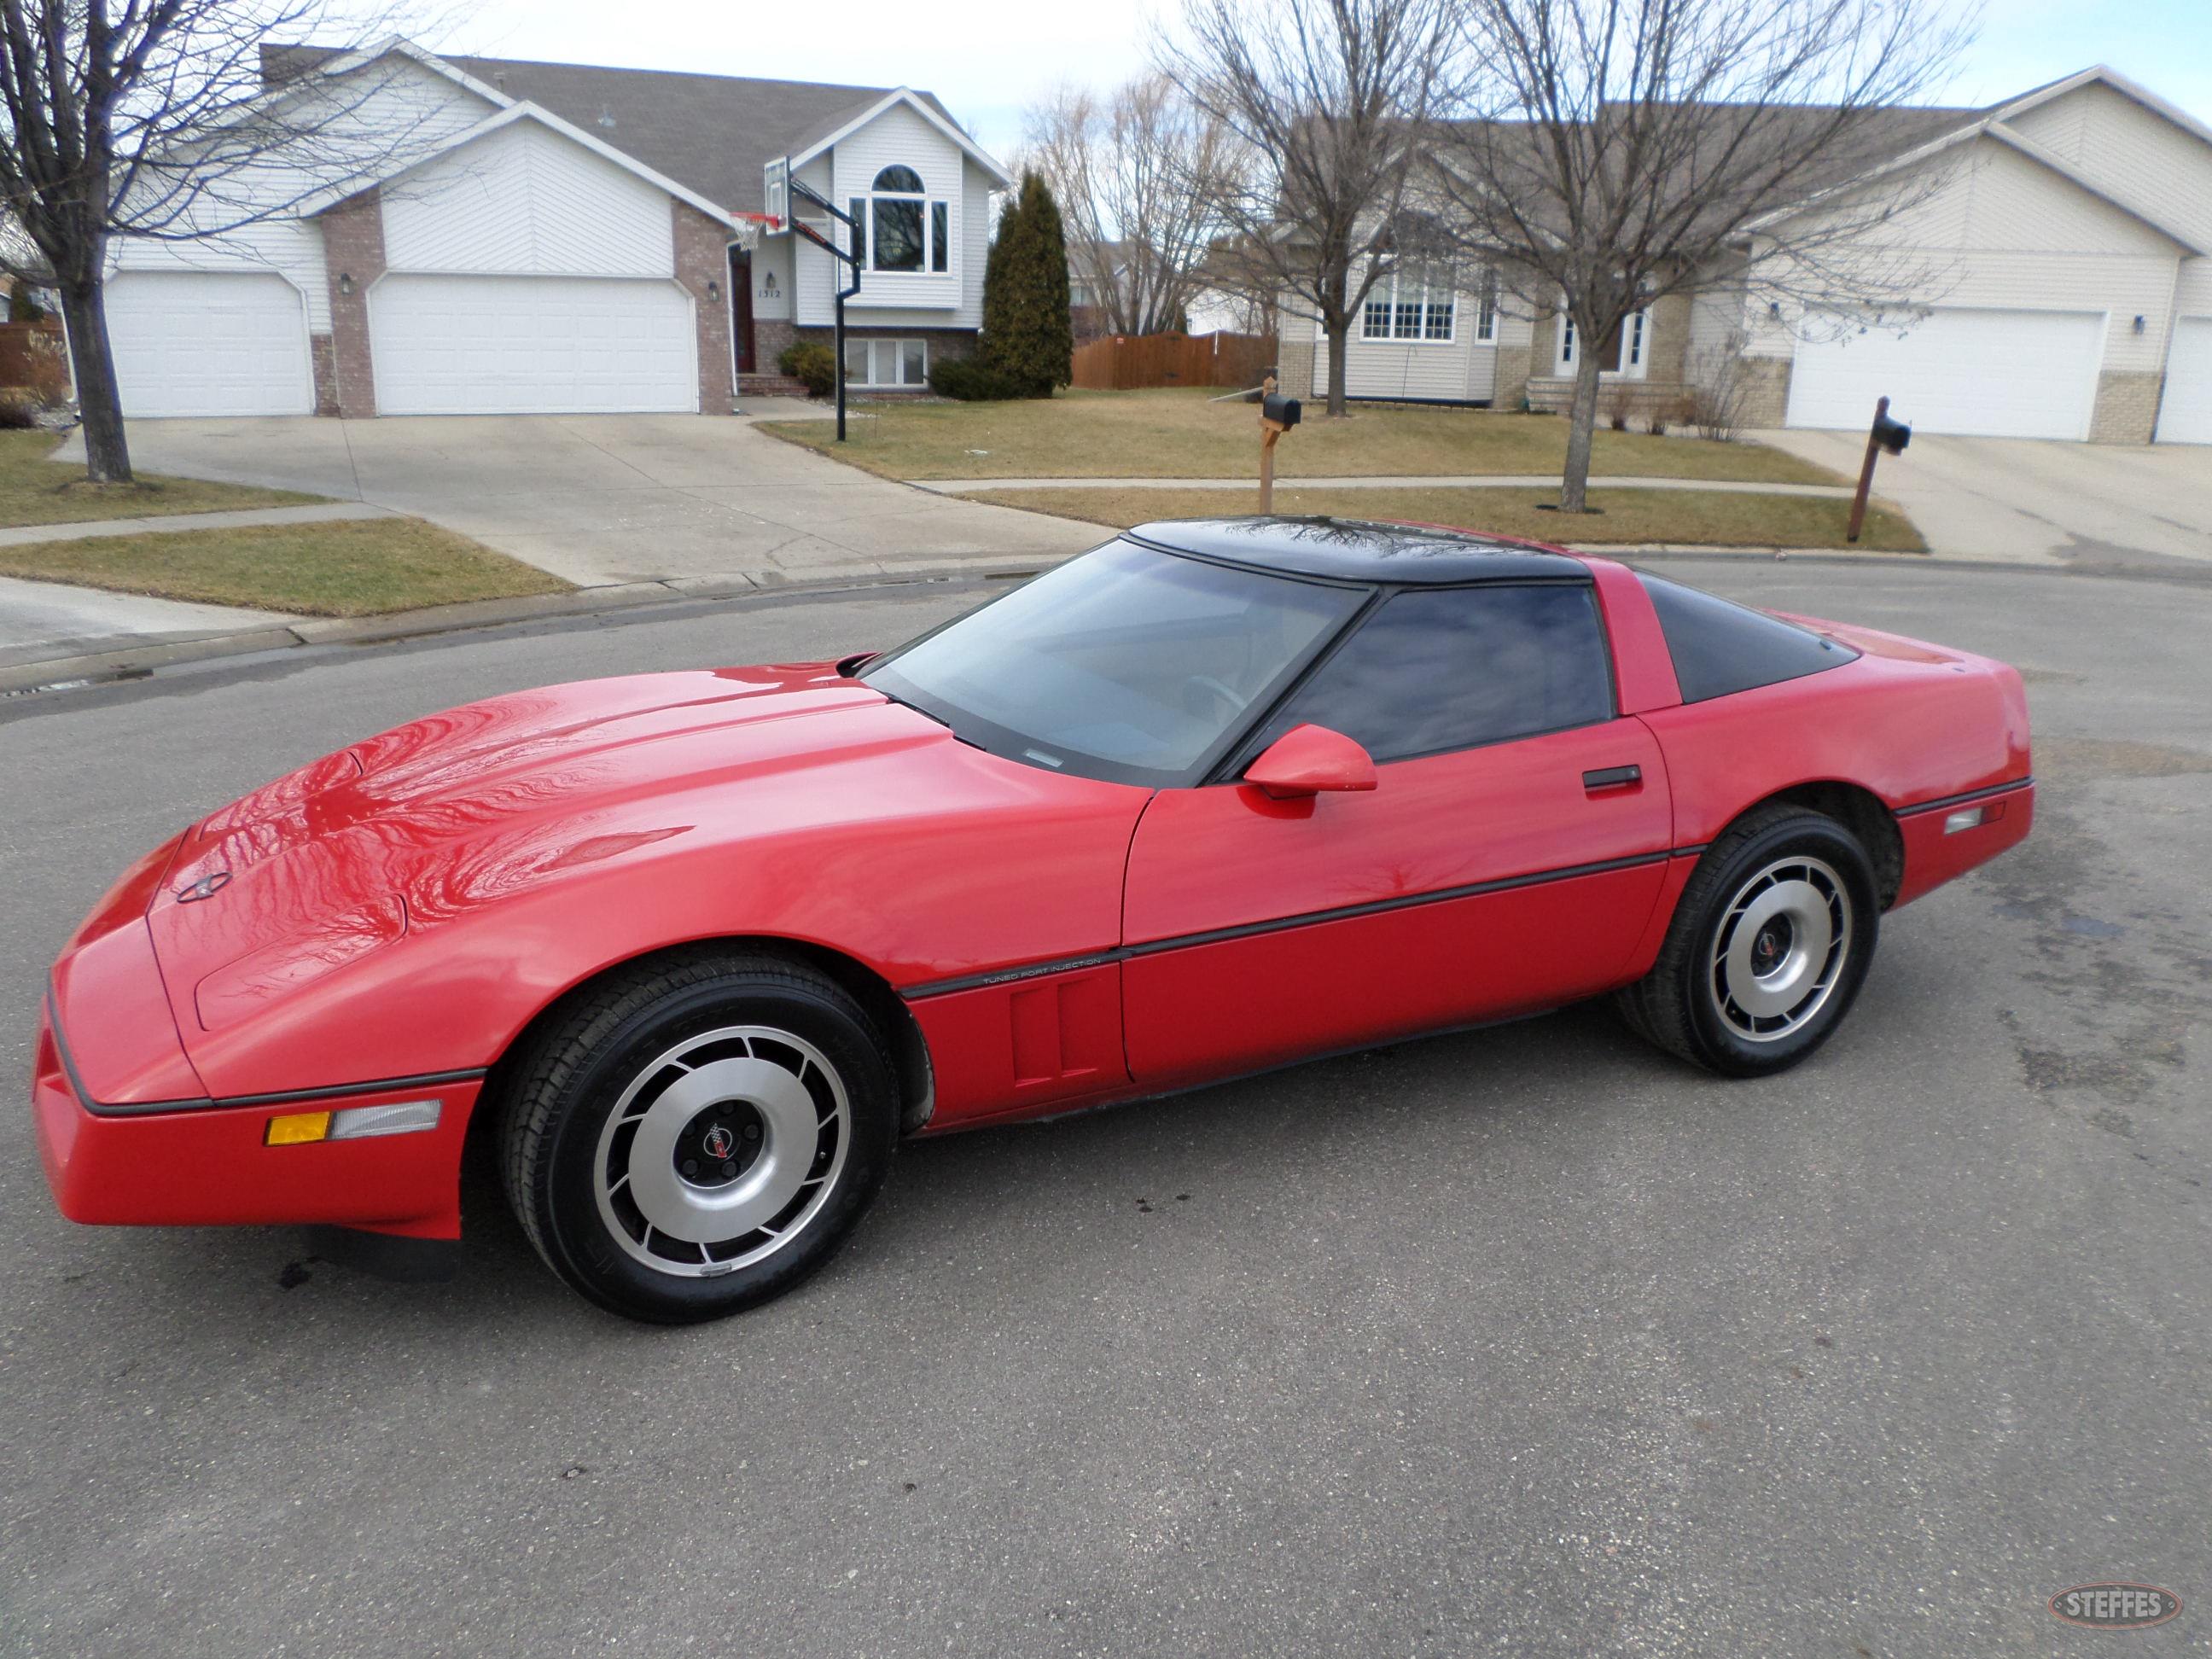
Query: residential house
[541, 238]
[2070, 230]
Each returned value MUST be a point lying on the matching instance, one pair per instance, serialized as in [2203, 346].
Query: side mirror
[1310, 760]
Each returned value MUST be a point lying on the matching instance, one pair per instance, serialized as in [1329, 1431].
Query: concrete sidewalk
[170, 522]
[1472, 480]
[49, 622]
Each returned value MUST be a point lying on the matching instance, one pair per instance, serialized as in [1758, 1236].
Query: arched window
[900, 229]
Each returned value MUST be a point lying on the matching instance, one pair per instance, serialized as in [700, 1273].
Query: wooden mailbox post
[1278, 414]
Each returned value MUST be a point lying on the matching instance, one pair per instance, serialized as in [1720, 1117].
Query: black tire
[560, 1153]
[1685, 1006]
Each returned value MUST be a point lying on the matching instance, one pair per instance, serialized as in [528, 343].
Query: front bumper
[209, 1165]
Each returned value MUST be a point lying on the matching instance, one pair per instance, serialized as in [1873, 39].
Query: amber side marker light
[353, 1123]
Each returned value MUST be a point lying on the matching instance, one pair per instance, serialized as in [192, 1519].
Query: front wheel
[1771, 940]
[697, 1135]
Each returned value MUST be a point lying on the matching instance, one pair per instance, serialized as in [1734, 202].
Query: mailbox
[1282, 412]
[1891, 435]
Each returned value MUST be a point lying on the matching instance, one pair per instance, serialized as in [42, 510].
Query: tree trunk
[100, 406]
[1339, 335]
[1582, 422]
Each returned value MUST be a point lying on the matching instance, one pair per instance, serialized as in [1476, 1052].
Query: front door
[1508, 860]
[741, 310]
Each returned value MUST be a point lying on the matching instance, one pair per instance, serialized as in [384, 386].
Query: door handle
[1613, 777]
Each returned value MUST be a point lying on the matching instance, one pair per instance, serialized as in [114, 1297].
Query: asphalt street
[1530, 1340]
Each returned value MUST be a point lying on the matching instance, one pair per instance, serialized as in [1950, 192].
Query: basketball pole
[848, 258]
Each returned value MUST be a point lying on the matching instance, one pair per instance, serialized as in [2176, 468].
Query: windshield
[1127, 664]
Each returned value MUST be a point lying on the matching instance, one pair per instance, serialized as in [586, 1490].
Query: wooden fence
[34, 355]
[1122, 363]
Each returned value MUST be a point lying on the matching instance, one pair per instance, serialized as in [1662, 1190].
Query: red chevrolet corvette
[699, 948]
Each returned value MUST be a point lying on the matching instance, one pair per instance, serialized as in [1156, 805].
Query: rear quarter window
[1721, 647]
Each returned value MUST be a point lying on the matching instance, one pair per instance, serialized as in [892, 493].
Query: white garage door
[531, 345]
[1986, 373]
[203, 342]
[2185, 416]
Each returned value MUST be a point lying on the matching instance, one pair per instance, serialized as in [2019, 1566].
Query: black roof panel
[1351, 550]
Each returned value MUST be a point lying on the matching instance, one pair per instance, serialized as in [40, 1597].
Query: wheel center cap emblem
[718, 1141]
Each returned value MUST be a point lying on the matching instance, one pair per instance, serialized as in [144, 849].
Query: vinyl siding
[2193, 293]
[526, 201]
[1459, 370]
[951, 300]
[2134, 151]
[2005, 233]
[901, 137]
[816, 281]
[1716, 315]
[408, 108]
[772, 257]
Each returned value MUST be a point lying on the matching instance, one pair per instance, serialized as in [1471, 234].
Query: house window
[1486, 309]
[1623, 351]
[898, 229]
[887, 362]
[1405, 305]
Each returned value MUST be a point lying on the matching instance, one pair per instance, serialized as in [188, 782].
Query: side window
[1451, 668]
[1720, 647]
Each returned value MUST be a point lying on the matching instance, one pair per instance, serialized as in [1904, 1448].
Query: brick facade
[1294, 367]
[2127, 408]
[353, 248]
[702, 269]
[772, 336]
[1508, 382]
[324, 358]
[1765, 392]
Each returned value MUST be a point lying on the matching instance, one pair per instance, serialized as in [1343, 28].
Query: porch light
[714, 289]
[345, 282]
[2139, 324]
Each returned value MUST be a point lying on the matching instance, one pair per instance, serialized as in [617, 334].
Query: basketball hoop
[751, 227]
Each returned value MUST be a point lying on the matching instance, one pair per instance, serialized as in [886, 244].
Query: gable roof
[810, 144]
[712, 134]
[1991, 123]
[512, 113]
[2099, 74]
[1855, 144]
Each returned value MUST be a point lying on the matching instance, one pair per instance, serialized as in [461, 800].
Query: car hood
[419, 828]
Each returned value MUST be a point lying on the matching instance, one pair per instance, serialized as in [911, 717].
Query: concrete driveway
[2087, 506]
[599, 498]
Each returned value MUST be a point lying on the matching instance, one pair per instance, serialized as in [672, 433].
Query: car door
[1507, 860]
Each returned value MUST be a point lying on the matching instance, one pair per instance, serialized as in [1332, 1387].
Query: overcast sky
[987, 59]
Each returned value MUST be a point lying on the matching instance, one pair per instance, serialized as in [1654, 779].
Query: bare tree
[1611, 153]
[155, 122]
[1135, 173]
[1327, 100]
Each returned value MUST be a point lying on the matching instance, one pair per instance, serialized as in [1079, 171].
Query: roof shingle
[713, 133]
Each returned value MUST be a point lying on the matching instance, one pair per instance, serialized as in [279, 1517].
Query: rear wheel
[1771, 940]
[697, 1135]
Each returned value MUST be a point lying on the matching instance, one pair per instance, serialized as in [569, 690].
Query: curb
[135, 662]
[68, 673]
